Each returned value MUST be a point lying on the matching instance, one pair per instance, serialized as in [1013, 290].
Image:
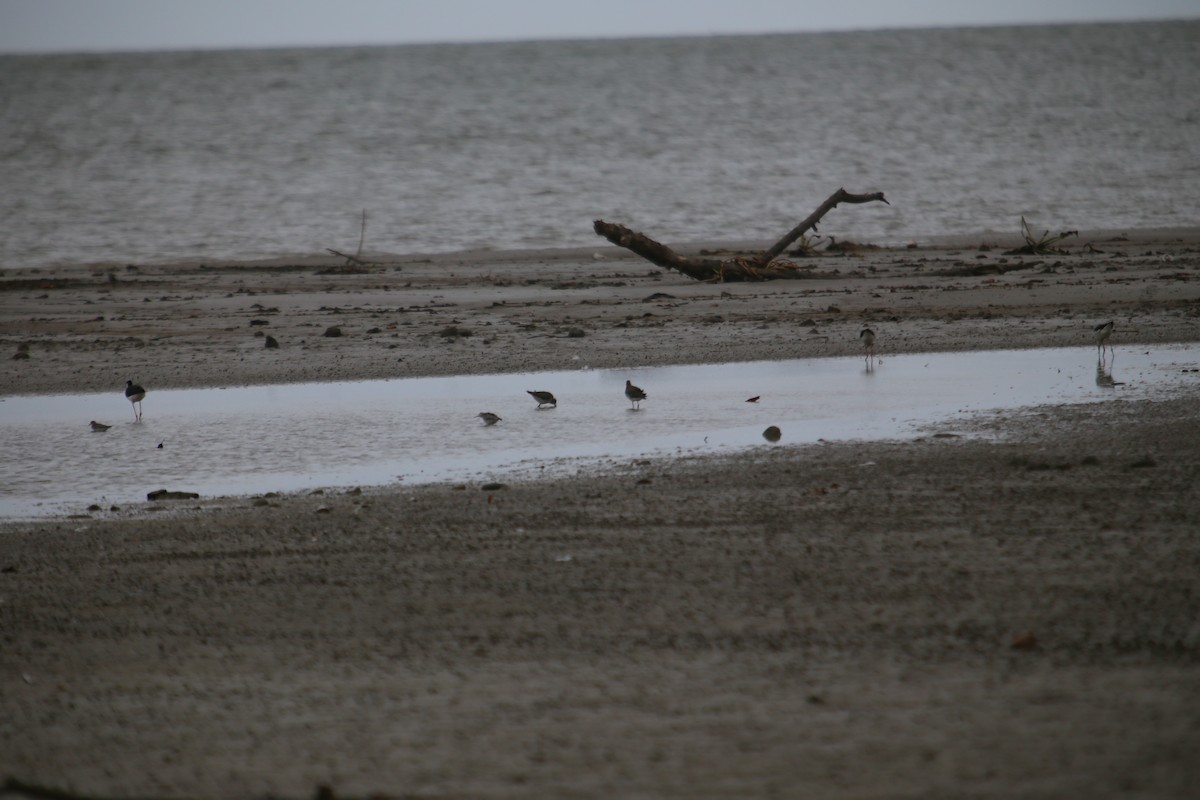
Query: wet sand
[1009, 615]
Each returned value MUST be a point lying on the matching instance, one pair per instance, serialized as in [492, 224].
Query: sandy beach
[1010, 615]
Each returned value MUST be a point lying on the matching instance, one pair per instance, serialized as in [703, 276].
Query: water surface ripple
[262, 153]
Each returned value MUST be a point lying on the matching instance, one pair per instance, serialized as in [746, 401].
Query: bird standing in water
[135, 394]
[99, 427]
[1103, 332]
[634, 394]
[868, 339]
[543, 398]
[488, 418]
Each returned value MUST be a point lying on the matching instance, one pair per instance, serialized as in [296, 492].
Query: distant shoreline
[195, 324]
[997, 239]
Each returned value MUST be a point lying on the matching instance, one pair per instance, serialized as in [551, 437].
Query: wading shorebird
[135, 394]
[99, 426]
[543, 398]
[488, 418]
[868, 339]
[1103, 332]
[634, 394]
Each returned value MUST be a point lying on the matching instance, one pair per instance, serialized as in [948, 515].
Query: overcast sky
[65, 25]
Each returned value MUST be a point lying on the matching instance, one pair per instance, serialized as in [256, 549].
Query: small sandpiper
[99, 427]
[1103, 332]
[543, 398]
[488, 417]
[135, 394]
[634, 394]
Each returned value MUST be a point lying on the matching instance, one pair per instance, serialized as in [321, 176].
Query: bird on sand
[99, 426]
[868, 339]
[488, 418]
[135, 394]
[634, 394]
[543, 398]
[1103, 332]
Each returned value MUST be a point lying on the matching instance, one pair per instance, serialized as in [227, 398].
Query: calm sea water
[247, 154]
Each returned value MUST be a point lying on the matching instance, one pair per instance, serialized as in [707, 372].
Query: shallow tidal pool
[251, 440]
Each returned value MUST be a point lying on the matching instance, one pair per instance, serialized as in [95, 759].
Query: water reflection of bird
[488, 418]
[634, 394]
[543, 399]
[868, 339]
[1103, 333]
[135, 394]
[1104, 376]
[99, 426]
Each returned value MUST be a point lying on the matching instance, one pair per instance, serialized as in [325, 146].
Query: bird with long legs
[1103, 333]
[135, 394]
[635, 395]
[867, 337]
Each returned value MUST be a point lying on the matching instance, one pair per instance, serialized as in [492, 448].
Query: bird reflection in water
[1104, 376]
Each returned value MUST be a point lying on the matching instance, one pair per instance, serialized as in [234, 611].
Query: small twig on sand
[362, 237]
[357, 257]
[1042, 246]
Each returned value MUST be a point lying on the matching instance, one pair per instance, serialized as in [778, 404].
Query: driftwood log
[761, 266]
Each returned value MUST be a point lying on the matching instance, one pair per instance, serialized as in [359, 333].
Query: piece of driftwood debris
[362, 238]
[762, 266]
[1039, 246]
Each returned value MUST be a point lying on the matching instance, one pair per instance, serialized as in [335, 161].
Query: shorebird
[99, 426]
[634, 394]
[543, 398]
[1103, 332]
[488, 418]
[773, 434]
[135, 394]
[868, 339]
[753, 399]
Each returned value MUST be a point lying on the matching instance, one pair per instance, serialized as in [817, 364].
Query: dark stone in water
[271, 343]
[333, 331]
[167, 494]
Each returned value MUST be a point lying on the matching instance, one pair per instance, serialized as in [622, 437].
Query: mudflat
[1008, 615]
